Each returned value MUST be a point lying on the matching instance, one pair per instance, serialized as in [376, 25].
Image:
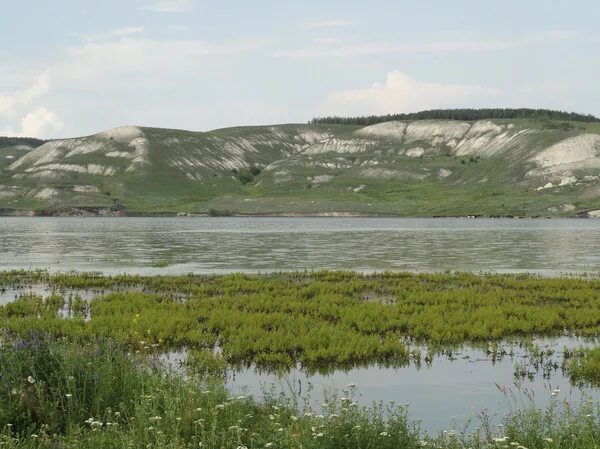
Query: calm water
[211, 245]
[458, 388]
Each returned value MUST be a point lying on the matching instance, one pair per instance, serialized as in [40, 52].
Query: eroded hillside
[420, 168]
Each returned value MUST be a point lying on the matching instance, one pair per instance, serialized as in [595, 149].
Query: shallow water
[13, 292]
[217, 245]
[460, 388]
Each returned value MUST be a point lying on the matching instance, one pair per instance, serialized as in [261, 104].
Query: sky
[76, 67]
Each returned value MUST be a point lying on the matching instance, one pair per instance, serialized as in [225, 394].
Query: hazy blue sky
[75, 67]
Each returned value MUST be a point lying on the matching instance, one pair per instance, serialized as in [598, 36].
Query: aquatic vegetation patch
[583, 365]
[161, 263]
[318, 319]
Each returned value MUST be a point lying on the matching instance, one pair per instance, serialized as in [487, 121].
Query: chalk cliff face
[427, 167]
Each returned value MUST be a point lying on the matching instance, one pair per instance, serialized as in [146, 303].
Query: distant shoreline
[102, 212]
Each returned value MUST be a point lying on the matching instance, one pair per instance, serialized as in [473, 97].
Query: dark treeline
[460, 114]
[12, 141]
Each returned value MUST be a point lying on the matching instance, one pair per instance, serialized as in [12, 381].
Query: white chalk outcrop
[53, 159]
[438, 132]
[569, 161]
[392, 130]
[571, 150]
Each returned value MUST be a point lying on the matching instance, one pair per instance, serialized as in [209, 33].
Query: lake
[221, 245]
[460, 387]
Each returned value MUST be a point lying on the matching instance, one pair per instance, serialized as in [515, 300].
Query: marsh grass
[583, 365]
[319, 320]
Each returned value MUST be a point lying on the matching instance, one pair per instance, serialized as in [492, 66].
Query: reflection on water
[273, 244]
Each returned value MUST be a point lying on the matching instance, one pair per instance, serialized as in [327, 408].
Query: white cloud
[170, 6]
[107, 65]
[93, 61]
[327, 40]
[331, 23]
[10, 104]
[119, 33]
[40, 121]
[36, 123]
[473, 45]
[401, 93]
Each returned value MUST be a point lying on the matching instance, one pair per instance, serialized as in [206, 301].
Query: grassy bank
[57, 394]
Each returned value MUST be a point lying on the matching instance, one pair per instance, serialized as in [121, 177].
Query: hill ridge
[417, 168]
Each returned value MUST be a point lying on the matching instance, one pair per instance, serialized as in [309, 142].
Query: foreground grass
[319, 319]
[62, 395]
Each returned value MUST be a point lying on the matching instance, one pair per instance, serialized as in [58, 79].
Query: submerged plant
[161, 263]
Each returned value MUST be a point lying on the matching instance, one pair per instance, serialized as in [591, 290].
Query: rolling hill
[488, 167]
